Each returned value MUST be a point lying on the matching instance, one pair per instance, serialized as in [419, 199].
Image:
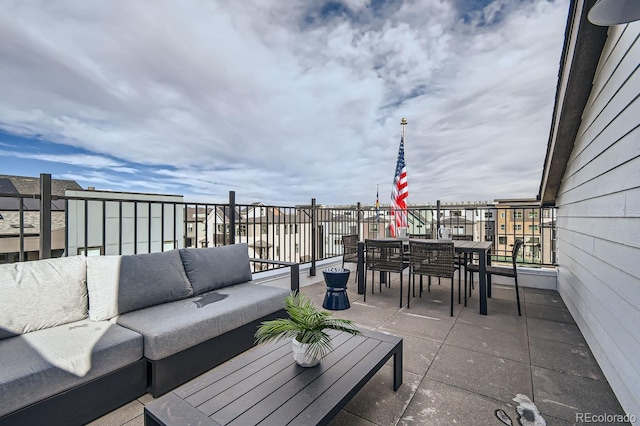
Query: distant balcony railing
[106, 224]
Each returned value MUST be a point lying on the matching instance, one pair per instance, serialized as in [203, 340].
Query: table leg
[397, 367]
[362, 286]
[482, 278]
[489, 276]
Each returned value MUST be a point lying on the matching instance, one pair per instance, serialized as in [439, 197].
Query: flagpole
[378, 210]
[403, 124]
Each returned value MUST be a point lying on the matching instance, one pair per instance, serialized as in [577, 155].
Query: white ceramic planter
[300, 356]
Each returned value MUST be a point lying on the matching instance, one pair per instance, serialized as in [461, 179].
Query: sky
[281, 101]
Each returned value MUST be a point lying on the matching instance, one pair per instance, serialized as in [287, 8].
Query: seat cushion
[119, 284]
[173, 327]
[45, 362]
[41, 294]
[505, 271]
[216, 267]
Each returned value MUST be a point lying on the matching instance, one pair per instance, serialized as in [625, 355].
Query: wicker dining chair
[350, 251]
[505, 271]
[432, 258]
[384, 256]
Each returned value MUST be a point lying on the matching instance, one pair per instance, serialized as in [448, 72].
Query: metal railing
[108, 224]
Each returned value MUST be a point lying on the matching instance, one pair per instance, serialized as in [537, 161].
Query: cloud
[84, 160]
[284, 102]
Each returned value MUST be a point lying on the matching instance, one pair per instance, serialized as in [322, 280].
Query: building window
[517, 215]
[488, 215]
[277, 229]
[502, 214]
[502, 227]
[502, 240]
[517, 227]
[277, 251]
[263, 229]
[533, 214]
[533, 227]
[297, 248]
[189, 227]
[242, 231]
[91, 251]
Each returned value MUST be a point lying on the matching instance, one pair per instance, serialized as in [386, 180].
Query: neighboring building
[107, 222]
[523, 219]
[592, 175]
[332, 228]
[218, 227]
[196, 220]
[10, 217]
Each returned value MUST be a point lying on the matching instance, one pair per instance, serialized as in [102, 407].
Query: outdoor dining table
[482, 248]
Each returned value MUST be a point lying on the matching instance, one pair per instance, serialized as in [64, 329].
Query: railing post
[232, 217]
[45, 216]
[358, 208]
[295, 277]
[314, 230]
[437, 218]
[361, 270]
[21, 212]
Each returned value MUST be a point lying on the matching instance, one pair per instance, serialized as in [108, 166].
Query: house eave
[582, 48]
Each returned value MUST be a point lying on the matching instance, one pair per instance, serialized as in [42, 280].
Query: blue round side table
[336, 297]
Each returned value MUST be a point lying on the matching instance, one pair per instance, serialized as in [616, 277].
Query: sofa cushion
[173, 327]
[41, 294]
[216, 267]
[119, 284]
[40, 364]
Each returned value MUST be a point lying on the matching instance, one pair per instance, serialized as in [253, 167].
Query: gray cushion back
[216, 267]
[119, 284]
[42, 294]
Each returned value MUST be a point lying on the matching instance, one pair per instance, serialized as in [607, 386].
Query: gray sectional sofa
[81, 336]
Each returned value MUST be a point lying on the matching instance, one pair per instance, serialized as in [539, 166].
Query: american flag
[399, 193]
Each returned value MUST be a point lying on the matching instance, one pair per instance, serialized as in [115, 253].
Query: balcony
[461, 370]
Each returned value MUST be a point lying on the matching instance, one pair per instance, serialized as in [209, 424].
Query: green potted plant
[306, 326]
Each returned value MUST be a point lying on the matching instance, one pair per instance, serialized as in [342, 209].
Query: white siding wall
[599, 218]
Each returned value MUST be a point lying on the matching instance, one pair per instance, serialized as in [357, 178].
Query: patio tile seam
[493, 398]
[568, 373]
[547, 367]
[404, 333]
[360, 417]
[485, 353]
[526, 325]
[424, 377]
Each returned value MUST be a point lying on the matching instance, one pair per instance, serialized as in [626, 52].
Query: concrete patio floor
[461, 369]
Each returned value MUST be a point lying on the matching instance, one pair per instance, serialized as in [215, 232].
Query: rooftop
[461, 369]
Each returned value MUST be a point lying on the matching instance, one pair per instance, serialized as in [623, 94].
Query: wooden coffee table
[266, 385]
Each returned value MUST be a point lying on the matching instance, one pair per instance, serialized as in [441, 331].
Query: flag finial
[403, 121]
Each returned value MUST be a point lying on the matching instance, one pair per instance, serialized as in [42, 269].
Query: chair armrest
[295, 270]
